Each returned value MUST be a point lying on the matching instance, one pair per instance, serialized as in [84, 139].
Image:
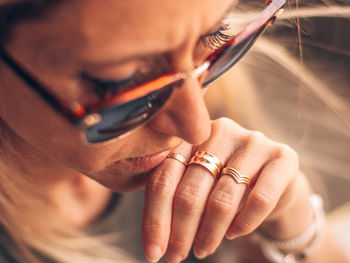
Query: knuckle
[161, 183]
[221, 202]
[222, 122]
[226, 128]
[153, 227]
[286, 157]
[222, 125]
[284, 150]
[254, 137]
[188, 199]
[262, 201]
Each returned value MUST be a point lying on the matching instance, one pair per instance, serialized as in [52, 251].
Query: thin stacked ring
[236, 176]
[177, 157]
[208, 161]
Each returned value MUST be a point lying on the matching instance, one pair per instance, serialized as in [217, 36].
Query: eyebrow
[145, 56]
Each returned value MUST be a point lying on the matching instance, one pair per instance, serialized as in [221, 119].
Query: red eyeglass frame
[77, 113]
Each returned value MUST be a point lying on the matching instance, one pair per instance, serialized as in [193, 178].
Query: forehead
[103, 31]
[139, 27]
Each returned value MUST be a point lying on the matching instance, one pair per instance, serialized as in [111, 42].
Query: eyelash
[216, 39]
[108, 87]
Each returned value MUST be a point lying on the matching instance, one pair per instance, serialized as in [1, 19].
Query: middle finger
[227, 195]
[189, 204]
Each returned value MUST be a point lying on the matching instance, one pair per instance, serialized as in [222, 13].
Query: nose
[185, 115]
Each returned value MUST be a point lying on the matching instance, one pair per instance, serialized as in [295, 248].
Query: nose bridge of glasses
[196, 73]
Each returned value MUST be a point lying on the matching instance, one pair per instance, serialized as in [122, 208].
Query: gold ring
[210, 157]
[177, 157]
[236, 176]
[208, 161]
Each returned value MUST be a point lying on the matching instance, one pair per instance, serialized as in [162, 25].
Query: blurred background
[298, 92]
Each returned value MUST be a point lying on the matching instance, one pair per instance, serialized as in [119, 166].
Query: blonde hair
[313, 113]
[19, 201]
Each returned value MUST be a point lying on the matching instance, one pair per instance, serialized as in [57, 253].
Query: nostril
[185, 115]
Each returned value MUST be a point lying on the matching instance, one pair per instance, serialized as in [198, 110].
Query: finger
[157, 211]
[189, 202]
[266, 193]
[193, 191]
[228, 194]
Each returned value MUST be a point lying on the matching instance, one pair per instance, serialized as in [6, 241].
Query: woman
[82, 91]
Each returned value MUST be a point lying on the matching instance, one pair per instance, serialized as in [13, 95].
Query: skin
[85, 45]
[182, 206]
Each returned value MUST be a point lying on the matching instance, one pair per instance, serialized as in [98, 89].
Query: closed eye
[104, 88]
[148, 70]
[216, 39]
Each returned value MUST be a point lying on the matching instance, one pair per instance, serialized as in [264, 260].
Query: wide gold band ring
[208, 161]
[177, 157]
[235, 175]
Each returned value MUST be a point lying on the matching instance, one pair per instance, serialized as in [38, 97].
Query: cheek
[61, 146]
[65, 148]
[39, 126]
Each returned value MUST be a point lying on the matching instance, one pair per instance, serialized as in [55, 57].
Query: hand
[185, 205]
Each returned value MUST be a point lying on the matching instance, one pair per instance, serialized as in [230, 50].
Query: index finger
[158, 202]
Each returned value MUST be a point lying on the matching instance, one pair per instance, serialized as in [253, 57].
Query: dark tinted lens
[123, 118]
[230, 56]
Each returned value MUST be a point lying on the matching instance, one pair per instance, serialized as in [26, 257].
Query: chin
[137, 182]
[132, 183]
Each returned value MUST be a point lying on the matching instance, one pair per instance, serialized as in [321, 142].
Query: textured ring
[208, 161]
[236, 176]
[177, 157]
[210, 157]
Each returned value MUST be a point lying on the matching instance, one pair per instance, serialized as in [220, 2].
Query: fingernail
[153, 253]
[200, 253]
[230, 236]
[173, 258]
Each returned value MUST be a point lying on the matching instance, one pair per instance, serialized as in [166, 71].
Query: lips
[148, 162]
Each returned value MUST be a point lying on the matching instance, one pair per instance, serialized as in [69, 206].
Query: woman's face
[108, 39]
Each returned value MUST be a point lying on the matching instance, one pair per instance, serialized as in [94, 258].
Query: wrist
[298, 247]
[292, 217]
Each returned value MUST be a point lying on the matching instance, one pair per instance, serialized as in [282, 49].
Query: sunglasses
[118, 115]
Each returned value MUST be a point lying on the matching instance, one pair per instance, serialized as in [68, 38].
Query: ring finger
[227, 195]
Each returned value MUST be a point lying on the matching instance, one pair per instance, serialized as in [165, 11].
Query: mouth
[148, 162]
